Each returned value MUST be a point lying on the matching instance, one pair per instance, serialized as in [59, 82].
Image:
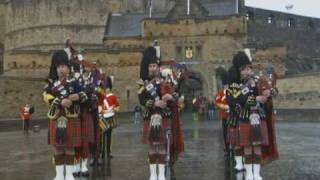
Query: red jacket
[109, 100]
[221, 104]
[24, 113]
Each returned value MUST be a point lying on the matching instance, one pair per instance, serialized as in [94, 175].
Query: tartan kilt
[97, 131]
[87, 128]
[72, 136]
[165, 123]
[247, 137]
[233, 136]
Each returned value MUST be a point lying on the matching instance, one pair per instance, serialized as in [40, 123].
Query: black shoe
[99, 162]
[109, 156]
[226, 154]
[92, 162]
[172, 174]
[76, 174]
[85, 174]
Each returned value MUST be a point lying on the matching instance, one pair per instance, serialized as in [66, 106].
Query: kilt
[233, 136]
[87, 128]
[72, 136]
[165, 124]
[247, 137]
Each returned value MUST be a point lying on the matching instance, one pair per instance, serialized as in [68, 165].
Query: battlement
[229, 25]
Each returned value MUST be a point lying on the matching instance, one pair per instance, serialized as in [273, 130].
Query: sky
[301, 7]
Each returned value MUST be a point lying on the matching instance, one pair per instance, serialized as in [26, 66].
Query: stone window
[249, 15]
[291, 22]
[270, 19]
[199, 51]
[178, 52]
[15, 65]
[34, 64]
[310, 25]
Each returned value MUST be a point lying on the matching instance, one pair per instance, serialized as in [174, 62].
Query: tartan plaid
[73, 133]
[264, 131]
[87, 128]
[233, 136]
[146, 124]
[246, 136]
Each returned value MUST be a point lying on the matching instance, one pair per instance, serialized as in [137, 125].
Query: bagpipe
[264, 78]
[175, 74]
[59, 90]
[267, 77]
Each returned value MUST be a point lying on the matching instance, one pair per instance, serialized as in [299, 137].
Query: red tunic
[107, 105]
[220, 102]
[111, 99]
[24, 113]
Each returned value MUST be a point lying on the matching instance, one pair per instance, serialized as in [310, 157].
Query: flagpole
[150, 9]
[188, 6]
[237, 6]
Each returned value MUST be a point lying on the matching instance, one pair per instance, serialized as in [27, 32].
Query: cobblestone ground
[25, 157]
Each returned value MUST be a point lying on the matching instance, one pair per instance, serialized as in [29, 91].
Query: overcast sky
[301, 7]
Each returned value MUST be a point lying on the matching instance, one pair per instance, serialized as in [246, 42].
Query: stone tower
[37, 27]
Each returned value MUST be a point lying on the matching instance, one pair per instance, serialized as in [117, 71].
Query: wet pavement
[28, 157]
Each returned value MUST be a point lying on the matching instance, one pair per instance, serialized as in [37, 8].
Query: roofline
[281, 12]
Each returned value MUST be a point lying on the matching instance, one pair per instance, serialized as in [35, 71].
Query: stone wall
[302, 37]
[231, 25]
[300, 91]
[2, 21]
[273, 55]
[33, 22]
[2, 33]
[17, 92]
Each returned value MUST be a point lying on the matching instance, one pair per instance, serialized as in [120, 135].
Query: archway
[190, 88]
[221, 77]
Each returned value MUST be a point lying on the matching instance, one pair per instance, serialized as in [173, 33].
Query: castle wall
[302, 37]
[16, 93]
[299, 91]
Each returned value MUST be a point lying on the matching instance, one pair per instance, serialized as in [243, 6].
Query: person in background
[25, 113]
[137, 114]
[222, 106]
[210, 110]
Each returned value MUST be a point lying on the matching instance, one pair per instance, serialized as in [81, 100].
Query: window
[291, 23]
[178, 52]
[199, 51]
[249, 15]
[270, 19]
[310, 25]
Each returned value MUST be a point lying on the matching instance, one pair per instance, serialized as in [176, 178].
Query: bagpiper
[64, 96]
[162, 128]
[82, 72]
[248, 97]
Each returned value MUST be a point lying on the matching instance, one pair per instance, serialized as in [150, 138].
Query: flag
[289, 6]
